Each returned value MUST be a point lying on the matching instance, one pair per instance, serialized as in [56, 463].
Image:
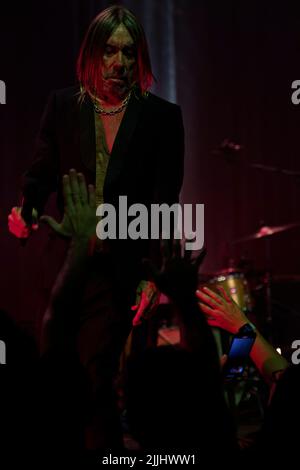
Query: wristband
[247, 328]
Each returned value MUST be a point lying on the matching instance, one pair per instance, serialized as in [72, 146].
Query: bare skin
[222, 312]
[118, 75]
[118, 69]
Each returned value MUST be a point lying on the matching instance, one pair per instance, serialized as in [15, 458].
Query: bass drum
[236, 285]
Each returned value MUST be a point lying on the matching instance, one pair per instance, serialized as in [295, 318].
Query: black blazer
[146, 162]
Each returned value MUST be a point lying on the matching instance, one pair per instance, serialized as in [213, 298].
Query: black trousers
[105, 323]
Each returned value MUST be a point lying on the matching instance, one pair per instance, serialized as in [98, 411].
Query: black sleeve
[170, 170]
[42, 176]
[171, 166]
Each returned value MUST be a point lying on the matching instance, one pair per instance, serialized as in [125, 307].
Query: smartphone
[238, 355]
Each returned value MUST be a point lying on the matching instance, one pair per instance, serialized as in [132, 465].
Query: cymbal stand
[268, 290]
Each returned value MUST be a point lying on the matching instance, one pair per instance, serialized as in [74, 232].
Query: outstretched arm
[80, 217]
[223, 312]
[178, 279]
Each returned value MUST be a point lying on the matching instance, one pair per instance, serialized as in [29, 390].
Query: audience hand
[79, 220]
[221, 310]
[178, 277]
[147, 299]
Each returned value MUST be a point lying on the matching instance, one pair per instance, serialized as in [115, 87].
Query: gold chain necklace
[118, 110]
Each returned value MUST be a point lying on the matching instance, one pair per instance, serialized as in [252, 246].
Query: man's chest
[110, 127]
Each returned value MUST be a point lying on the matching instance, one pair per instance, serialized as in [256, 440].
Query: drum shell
[236, 285]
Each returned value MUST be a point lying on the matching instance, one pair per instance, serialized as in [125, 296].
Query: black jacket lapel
[119, 153]
[87, 134]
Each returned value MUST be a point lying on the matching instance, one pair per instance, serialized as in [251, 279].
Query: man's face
[119, 63]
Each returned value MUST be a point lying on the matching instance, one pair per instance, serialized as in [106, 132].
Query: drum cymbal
[266, 231]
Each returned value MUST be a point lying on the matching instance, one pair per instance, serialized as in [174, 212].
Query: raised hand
[221, 310]
[178, 277]
[79, 220]
[147, 299]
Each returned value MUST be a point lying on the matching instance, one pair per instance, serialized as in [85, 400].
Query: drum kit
[235, 280]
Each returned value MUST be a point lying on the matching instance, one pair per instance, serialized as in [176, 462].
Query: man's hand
[221, 310]
[17, 225]
[79, 220]
[147, 299]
